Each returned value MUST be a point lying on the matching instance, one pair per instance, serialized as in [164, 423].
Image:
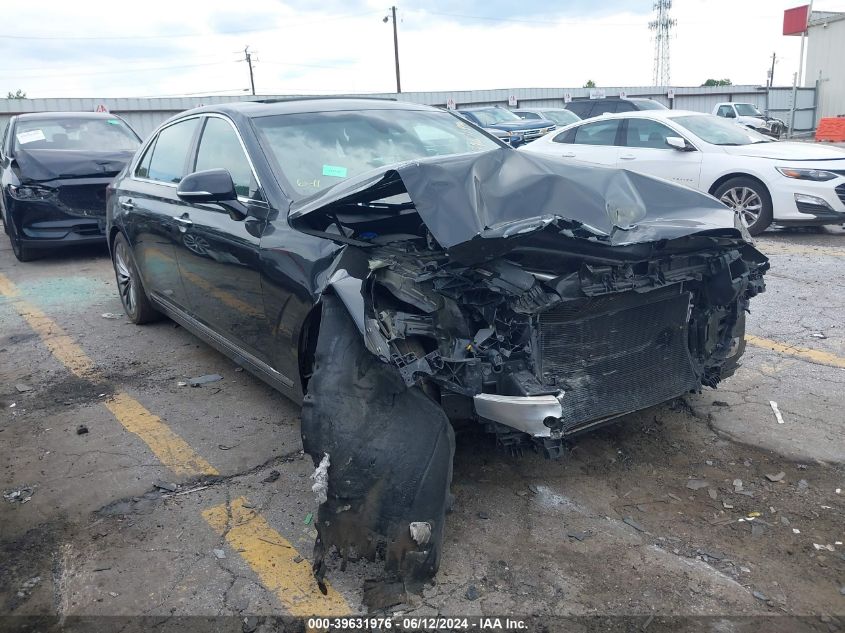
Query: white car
[763, 180]
[749, 115]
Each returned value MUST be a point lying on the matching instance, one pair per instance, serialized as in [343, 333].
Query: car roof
[253, 109]
[647, 114]
[41, 116]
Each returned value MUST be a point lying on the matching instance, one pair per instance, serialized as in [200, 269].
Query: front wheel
[22, 253]
[750, 199]
[132, 295]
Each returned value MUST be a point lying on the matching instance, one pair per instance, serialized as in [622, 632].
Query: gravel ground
[703, 506]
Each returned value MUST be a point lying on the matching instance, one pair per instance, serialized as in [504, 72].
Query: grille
[840, 191]
[614, 355]
[84, 199]
[530, 135]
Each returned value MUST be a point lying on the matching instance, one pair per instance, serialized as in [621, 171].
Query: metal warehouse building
[145, 114]
[826, 61]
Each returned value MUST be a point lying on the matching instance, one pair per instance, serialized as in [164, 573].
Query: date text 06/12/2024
[417, 624]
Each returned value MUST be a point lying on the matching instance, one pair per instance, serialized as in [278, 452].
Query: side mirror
[215, 186]
[730, 114]
[676, 142]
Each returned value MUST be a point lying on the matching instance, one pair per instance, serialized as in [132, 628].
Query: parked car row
[54, 167]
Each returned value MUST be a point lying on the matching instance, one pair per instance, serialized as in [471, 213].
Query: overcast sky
[164, 48]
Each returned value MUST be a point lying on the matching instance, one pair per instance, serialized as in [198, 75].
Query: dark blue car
[506, 125]
[54, 169]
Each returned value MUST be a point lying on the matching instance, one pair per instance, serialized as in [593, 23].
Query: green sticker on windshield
[113, 121]
[333, 170]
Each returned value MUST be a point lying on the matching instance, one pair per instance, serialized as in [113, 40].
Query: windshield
[315, 150]
[494, 116]
[747, 109]
[648, 104]
[560, 117]
[105, 135]
[719, 131]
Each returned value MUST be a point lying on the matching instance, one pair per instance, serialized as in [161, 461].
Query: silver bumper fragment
[528, 414]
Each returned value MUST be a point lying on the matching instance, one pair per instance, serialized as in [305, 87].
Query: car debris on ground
[204, 380]
[776, 411]
[21, 495]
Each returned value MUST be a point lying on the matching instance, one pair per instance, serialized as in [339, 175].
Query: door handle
[184, 221]
[127, 205]
[568, 155]
[628, 157]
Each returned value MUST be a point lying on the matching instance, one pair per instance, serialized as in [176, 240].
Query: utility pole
[772, 71]
[248, 59]
[395, 46]
[803, 37]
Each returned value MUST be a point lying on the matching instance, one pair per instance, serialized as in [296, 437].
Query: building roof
[822, 18]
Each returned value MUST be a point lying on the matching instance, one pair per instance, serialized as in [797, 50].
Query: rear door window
[170, 154]
[598, 133]
[220, 148]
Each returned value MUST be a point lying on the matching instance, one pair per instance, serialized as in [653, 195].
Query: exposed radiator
[614, 355]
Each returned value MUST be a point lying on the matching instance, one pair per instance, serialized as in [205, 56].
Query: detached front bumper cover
[535, 415]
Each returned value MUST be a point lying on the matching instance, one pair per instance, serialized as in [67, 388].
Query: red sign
[101, 108]
[795, 20]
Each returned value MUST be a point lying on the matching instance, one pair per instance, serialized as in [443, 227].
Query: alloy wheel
[744, 201]
[125, 279]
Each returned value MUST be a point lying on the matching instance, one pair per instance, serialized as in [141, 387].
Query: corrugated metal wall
[826, 65]
[145, 114]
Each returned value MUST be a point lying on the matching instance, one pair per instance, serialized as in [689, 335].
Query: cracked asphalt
[706, 505]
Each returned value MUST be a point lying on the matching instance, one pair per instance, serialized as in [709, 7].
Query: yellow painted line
[272, 558]
[813, 355]
[171, 449]
[777, 248]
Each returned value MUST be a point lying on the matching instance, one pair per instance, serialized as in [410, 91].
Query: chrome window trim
[201, 115]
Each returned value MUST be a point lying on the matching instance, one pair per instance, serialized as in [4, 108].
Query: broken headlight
[30, 192]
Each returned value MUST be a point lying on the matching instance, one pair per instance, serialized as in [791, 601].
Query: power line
[123, 71]
[181, 35]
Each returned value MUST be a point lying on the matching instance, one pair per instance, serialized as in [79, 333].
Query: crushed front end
[536, 298]
[543, 342]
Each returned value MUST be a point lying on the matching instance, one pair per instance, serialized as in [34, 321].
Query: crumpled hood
[503, 193]
[41, 165]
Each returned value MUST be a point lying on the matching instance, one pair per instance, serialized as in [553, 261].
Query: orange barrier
[831, 129]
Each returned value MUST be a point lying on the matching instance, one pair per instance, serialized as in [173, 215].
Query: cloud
[345, 47]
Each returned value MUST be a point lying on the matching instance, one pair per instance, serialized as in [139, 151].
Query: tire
[22, 253]
[750, 198]
[134, 298]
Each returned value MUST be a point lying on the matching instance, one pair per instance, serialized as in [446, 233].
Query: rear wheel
[750, 199]
[132, 295]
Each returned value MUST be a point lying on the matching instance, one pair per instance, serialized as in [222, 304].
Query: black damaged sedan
[54, 169]
[397, 270]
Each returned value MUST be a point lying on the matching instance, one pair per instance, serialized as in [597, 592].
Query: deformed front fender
[390, 449]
